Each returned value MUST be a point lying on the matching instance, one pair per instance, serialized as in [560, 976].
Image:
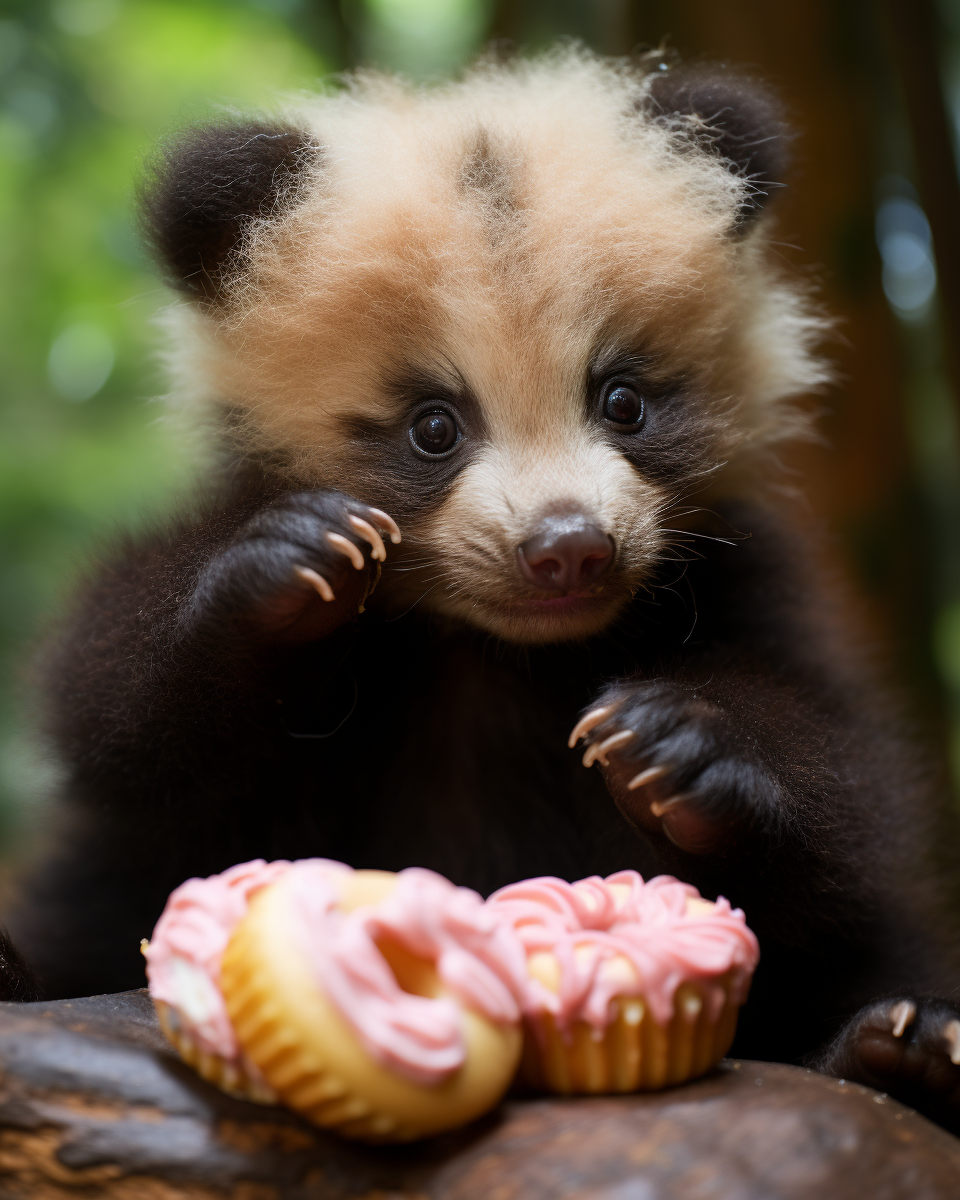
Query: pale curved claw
[350, 549]
[599, 750]
[951, 1035]
[650, 775]
[317, 582]
[387, 522]
[369, 534]
[660, 807]
[587, 722]
[901, 1015]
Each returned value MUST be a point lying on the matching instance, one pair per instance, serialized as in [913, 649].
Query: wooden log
[93, 1104]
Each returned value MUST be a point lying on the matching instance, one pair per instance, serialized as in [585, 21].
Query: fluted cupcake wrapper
[233, 1076]
[634, 1052]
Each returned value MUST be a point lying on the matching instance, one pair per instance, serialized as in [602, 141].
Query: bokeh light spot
[84, 17]
[33, 105]
[909, 274]
[80, 361]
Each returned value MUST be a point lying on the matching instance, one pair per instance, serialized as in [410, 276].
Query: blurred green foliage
[87, 89]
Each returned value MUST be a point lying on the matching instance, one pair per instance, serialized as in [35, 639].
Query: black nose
[567, 553]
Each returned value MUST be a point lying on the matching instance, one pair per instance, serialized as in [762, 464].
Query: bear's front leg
[773, 792]
[683, 767]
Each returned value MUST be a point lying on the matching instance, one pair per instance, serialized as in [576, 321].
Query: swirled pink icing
[184, 954]
[478, 959]
[622, 937]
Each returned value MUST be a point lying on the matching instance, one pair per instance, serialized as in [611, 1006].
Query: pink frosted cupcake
[183, 972]
[631, 985]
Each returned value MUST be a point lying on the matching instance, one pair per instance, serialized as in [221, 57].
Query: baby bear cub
[498, 370]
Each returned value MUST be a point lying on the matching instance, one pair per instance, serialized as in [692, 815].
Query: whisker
[709, 537]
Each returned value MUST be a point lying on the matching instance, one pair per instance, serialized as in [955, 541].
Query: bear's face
[517, 314]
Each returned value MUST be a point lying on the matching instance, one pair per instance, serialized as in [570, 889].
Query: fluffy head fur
[500, 248]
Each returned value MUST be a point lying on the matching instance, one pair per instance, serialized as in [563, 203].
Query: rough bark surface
[93, 1104]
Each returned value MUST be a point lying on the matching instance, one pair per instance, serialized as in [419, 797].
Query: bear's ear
[207, 186]
[739, 119]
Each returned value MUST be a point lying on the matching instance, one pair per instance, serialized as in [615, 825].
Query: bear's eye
[434, 432]
[622, 405]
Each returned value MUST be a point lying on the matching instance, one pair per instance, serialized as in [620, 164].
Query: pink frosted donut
[630, 984]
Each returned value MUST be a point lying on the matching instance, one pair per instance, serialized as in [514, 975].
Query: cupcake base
[633, 1053]
[232, 1077]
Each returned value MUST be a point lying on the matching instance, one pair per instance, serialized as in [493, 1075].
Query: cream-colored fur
[503, 228]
